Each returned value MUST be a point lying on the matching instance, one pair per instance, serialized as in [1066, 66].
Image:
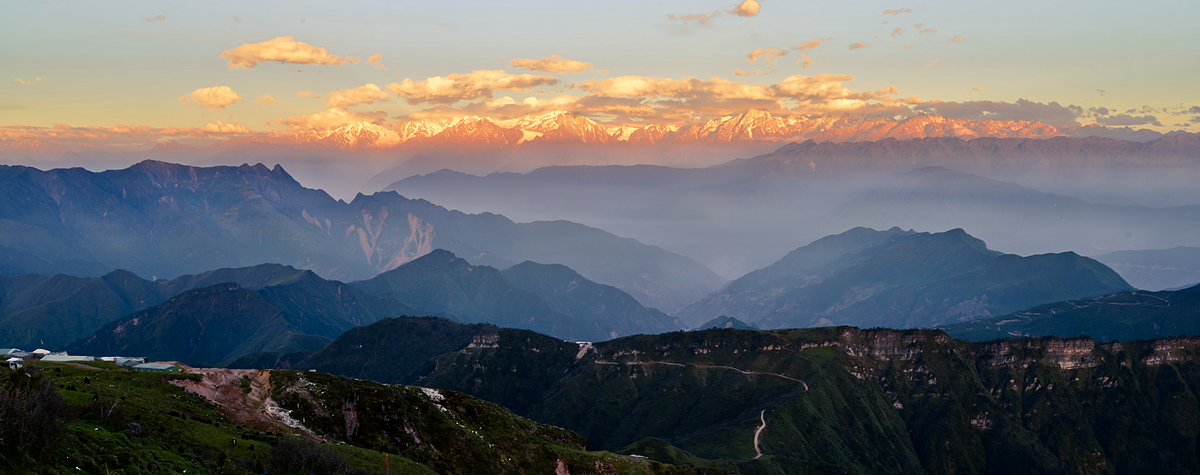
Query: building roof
[153, 367]
[61, 358]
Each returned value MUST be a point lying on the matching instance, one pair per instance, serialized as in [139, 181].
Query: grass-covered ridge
[123, 422]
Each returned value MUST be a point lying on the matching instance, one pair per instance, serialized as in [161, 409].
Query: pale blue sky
[104, 64]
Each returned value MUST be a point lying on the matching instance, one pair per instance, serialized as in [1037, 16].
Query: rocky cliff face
[868, 401]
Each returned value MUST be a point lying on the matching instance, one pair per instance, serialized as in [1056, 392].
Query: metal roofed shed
[156, 368]
[128, 361]
[66, 358]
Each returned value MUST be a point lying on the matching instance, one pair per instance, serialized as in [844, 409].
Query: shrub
[292, 456]
[32, 414]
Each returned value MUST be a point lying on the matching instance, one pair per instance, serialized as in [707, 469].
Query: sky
[215, 68]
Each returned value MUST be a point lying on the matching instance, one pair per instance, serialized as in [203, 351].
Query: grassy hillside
[123, 422]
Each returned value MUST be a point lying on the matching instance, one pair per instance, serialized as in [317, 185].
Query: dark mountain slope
[749, 297]
[568, 292]
[1137, 315]
[397, 350]
[439, 283]
[202, 327]
[908, 280]
[39, 311]
[53, 311]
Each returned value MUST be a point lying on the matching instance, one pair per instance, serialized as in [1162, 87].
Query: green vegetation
[844, 400]
[98, 418]
[726, 322]
[392, 350]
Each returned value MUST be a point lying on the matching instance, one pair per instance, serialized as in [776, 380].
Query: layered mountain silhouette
[901, 279]
[1137, 315]
[37, 310]
[280, 309]
[1013, 216]
[1026, 196]
[161, 220]
[441, 284]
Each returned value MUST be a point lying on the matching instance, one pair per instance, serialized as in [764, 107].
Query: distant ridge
[901, 279]
[162, 220]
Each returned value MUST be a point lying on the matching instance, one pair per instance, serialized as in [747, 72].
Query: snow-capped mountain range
[752, 127]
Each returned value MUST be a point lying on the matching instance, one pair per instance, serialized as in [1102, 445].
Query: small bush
[32, 414]
[292, 456]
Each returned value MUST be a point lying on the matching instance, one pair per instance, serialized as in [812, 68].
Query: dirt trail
[708, 366]
[762, 416]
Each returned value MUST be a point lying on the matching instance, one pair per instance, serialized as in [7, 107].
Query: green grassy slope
[124, 422]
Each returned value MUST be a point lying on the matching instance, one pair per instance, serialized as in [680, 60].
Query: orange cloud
[897, 11]
[458, 87]
[806, 60]
[22, 81]
[897, 32]
[266, 100]
[686, 88]
[700, 18]
[303, 94]
[377, 60]
[217, 128]
[366, 94]
[858, 45]
[212, 98]
[927, 30]
[977, 88]
[956, 38]
[284, 50]
[807, 45]
[739, 72]
[552, 64]
[129, 137]
[931, 63]
[330, 119]
[157, 18]
[768, 55]
[746, 8]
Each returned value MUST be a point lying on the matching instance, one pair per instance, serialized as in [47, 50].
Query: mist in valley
[745, 214]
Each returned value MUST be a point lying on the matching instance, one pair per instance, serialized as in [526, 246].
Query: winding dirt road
[762, 416]
[708, 366]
